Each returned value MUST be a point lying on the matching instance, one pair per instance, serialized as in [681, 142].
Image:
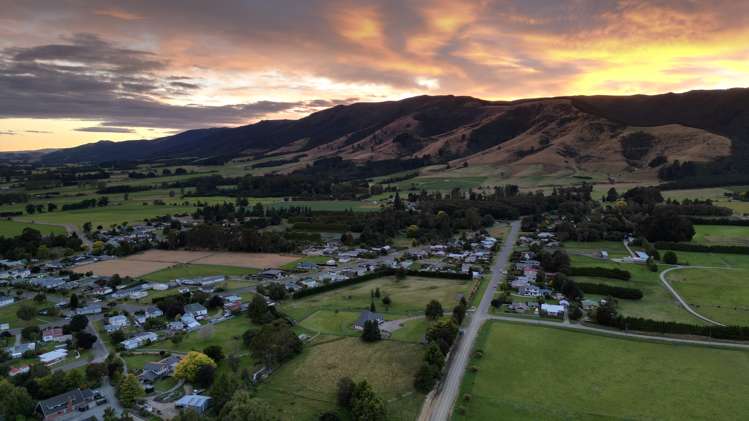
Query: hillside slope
[597, 133]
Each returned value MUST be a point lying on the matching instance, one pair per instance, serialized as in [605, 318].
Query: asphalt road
[441, 405]
[681, 301]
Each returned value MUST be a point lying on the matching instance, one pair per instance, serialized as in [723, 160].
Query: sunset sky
[73, 72]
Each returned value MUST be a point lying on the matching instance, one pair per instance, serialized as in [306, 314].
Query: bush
[701, 248]
[670, 258]
[601, 272]
[614, 291]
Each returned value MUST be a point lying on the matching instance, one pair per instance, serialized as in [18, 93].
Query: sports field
[543, 373]
[187, 271]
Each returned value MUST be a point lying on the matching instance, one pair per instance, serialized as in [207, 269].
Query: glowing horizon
[75, 73]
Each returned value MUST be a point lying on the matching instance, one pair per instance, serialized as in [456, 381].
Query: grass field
[194, 271]
[720, 294]
[721, 235]
[227, 334]
[615, 249]
[305, 387]
[541, 373]
[14, 228]
[657, 303]
[409, 297]
[8, 314]
[116, 214]
[308, 259]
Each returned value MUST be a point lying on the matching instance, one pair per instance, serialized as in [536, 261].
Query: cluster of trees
[198, 368]
[610, 290]
[360, 400]
[31, 244]
[87, 204]
[600, 272]
[440, 337]
[701, 248]
[13, 198]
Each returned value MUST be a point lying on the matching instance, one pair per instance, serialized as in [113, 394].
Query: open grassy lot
[721, 235]
[409, 297]
[657, 303]
[116, 214]
[137, 362]
[194, 271]
[411, 331]
[14, 228]
[8, 314]
[307, 259]
[712, 259]
[720, 294]
[542, 373]
[305, 387]
[615, 249]
[331, 322]
[227, 334]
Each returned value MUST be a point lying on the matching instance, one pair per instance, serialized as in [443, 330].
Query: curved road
[681, 301]
[440, 406]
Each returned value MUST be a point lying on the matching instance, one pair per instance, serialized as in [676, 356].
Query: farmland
[721, 235]
[10, 228]
[720, 294]
[524, 369]
[187, 270]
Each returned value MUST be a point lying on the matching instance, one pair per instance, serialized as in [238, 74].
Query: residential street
[440, 408]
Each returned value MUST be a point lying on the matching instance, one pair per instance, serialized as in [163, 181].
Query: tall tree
[366, 405]
[223, 388]
[371, 331]
[129, 390]
[434, 310]
[243, 407]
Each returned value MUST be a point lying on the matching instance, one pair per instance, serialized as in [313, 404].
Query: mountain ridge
[569, 131]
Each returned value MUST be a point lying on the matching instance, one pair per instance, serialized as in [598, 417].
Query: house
[175, 326]
[137, 295]
[306, 266]
[53, 357]
[6, 300]
[66, 403]
[4, 327]
[149, 313]
[189, 321]
[552, 309]
[603, 254]
[54, 334]
[153, 371]
[18, 350]
[530, 291]
[49, 283]
[367, 316]
[518, 307]
[271, 274]
[640, 256]
[197, 403]
[139, 340]
[14, 371]
[196, 310]
[589, 304]
[309, 283]
[116, 323]
[89, 309]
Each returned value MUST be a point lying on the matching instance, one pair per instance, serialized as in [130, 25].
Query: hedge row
[614, 291]
[601, 272]
[701, 248]
[720, 221]
[374, 275]
[740, 333]
[320, 226]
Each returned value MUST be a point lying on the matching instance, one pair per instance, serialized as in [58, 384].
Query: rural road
[681, 301]
[440, 407]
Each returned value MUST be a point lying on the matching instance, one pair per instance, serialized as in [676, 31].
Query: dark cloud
[38, 131]
[7, 133]
[105, 129]
[93, 79]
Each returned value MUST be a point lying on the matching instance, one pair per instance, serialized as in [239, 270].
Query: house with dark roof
[368, 316]
[66, 403]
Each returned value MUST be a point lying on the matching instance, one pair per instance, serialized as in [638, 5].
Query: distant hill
[598, 133]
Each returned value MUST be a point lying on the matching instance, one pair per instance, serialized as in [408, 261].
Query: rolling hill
[595, 133]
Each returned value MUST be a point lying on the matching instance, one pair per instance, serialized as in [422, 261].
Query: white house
[139, 340]
[196, 310]
[53, 357]
[552, 309]
[6, 300]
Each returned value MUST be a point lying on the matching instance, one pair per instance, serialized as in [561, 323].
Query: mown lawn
[8, 314]
[542, 373]
[657, 303]
[720, 294]
[305, 387]
[409, 297]
[615, 249]
[196, 270]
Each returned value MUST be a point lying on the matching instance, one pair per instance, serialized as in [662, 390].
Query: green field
[8, 314]
[14, 228]
[719, 294]
[195, 270]
[542, 373]
[409, 297]
[308, 259]
[657, 303]
[305, 387]
[227, 334]
[721, 235]
[615, 249]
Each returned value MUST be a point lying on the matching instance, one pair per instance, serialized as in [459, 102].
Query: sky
[74, 72]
